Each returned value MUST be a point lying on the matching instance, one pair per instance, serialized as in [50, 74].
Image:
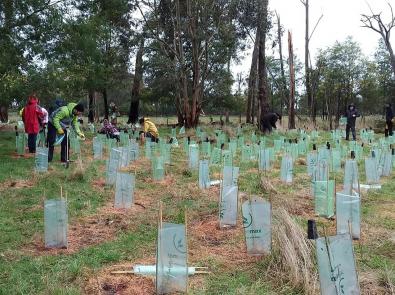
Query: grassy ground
[102, 239]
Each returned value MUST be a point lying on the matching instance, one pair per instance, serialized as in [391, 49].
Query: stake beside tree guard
[55, 223]
[348, 214]
[336, 265]
[257, 223]
[171, 257]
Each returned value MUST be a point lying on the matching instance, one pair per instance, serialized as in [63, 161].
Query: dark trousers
[153, 138]
[51, 143]
[31, 142]
[389, 127]
[352, 128]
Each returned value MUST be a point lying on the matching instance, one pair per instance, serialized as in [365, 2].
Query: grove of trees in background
[174, 57]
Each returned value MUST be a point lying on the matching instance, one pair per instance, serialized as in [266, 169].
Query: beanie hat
[79, 107]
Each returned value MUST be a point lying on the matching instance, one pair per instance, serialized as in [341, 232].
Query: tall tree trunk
[262, 88]
[306, 58]
[291, 106]
[105, 101]
[3, 113]
[283, 89]
[252, 80]
[138, 76]
[91, 108]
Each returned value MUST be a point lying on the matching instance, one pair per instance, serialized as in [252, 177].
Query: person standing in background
[389, 115]
[31, 116]
[351, 115]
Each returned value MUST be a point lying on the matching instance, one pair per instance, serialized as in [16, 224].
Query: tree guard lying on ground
[113, 165]
[336, 265]
[264, 163]
[204, 175]
[351, 179]
[348, 214]
[230, 175]
[312, 158]
[324, 194]
[171, 259]
[97, 148]
[158, 168]
[215, 158]
[286, 172]
[257, 223]
[124, 190]
[371, 171]
[41, 159]
[193, 162]
[228, 205]
[55, 223]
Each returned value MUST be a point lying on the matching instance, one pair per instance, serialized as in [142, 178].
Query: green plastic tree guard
[312, 158]
[204, 175]
[348, 218]
[351, 178]
[124, 190]
[158, 168]
[193, 162]
[215, 158]
[55, 223]
[41, 159]
[230, 175]
[324, 194]
[264, 163]
[371, 171]
[228, 205]
[171, 259]
[113, 164]
[336, 265]
[257, 223]
[286, 172]
[97, 148]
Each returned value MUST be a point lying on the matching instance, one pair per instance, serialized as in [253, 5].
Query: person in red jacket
[31, 116]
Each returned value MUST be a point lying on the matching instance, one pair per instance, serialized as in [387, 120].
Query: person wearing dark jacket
[268, 122]
[351, 115]
[389, 115]
[31, 116]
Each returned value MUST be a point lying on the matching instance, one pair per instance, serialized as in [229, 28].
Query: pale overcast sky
[341, 18]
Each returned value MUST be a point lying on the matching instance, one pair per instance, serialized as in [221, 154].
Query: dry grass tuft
[301, 161]
[295, 256]
[267, 185]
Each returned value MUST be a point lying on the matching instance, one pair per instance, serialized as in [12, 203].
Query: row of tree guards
[334, 253]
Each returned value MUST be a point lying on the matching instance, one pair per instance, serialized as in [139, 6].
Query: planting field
[102, 239]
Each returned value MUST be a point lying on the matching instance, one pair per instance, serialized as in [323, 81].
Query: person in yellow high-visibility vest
[149, 129]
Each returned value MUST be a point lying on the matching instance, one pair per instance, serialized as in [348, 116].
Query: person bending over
[268, 122]
[149, 130]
